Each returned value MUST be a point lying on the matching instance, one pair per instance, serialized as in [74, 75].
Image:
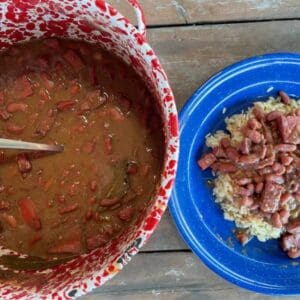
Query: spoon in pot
[21, 145]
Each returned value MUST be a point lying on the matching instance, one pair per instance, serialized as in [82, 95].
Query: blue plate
[260, 267]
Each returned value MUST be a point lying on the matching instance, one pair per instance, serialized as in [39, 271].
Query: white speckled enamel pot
[94, 21]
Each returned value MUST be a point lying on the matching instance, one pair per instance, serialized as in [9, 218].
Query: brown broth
[113, 141]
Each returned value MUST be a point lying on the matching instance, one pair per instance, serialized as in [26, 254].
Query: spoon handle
[21, 145]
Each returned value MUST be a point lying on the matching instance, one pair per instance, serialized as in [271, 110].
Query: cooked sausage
[270, 197]
[206, 160]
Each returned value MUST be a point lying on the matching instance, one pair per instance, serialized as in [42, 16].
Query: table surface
[193, 40]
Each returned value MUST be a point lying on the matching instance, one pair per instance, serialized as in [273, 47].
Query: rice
[254, 224]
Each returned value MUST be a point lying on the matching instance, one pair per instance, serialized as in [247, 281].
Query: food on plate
[257, 167]
[76, 94]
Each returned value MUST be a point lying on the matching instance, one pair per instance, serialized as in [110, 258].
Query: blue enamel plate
[260, 267]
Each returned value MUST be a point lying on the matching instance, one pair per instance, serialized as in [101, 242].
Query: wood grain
[190, 55]
[165, 237]
[164, 12]
[169, 276]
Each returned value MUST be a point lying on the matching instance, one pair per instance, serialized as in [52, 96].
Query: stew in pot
[76, 94]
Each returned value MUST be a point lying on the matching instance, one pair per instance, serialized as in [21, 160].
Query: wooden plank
[165, 237]
[169, 276]
[164, 12]
[191, 54]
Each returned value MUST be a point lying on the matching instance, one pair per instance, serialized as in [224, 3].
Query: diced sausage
[254, 124]
[16, 107]
[285, 147]
[284, 97]
[232, 154]
[29, 213]
[244, 181]
[4, 205]
[65, 105]
[4, 115]
[206, 160]
[24, 163]
[270, 197]
[239, 190]
[288, 242]
[242, 236]
[95, 241]
[10, 221]
[45, 126]
[219, 152]
[224, 167]
[254, 136]
[246, 201]
[126, 213]
[245, 146]
[225, 142]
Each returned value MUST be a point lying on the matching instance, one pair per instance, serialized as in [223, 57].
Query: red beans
[285, 147]
[276, 220]
[125, 214]
[254, 124]
[16, 107]
[108, 202]
[284, 97]
[24, 164]
[65, 105]
[248, 159]
[254, 136]
[15, 129]
[224, 167]
[69, 208]
[95, 241]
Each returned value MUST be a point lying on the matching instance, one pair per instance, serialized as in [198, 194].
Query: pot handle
[140, 16]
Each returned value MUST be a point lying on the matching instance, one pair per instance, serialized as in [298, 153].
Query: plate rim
[177, 216]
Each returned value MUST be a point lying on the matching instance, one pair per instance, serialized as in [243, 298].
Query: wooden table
[194, 39]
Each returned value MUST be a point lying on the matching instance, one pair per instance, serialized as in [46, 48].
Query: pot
[94, 21]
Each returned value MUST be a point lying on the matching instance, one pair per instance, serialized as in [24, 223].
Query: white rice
[254, 224]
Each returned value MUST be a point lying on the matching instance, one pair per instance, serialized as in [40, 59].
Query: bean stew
[79, 95]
